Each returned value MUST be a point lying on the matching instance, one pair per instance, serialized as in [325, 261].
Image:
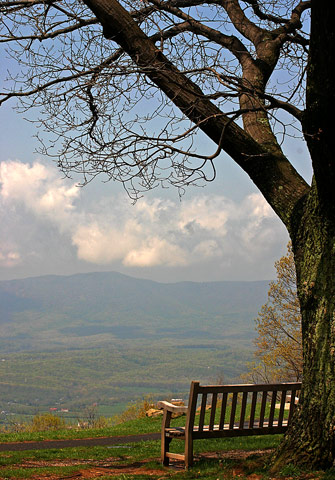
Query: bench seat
[228, 432]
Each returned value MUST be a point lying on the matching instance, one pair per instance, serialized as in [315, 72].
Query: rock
[153, 412]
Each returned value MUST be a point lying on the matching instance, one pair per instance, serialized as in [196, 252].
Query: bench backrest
[241, 409]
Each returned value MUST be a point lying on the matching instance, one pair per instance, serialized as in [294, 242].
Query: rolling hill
[54, 312]
[109, 338]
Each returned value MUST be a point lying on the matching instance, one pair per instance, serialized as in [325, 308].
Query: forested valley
[106, 339]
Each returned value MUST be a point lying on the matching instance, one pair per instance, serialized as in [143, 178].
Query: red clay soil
[107, 467]
[96, 469]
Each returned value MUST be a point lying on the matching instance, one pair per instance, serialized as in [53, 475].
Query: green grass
[215, 458]
[129, 461]
[132, 427]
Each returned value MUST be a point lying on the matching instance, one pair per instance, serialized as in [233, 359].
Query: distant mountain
[108, 338]
[97, 309]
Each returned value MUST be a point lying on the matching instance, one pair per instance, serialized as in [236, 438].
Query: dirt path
[93, 469]
[80, 442]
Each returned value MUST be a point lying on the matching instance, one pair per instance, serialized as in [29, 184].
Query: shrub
[46, 421]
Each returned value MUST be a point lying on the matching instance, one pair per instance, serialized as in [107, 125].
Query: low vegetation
[223, 459]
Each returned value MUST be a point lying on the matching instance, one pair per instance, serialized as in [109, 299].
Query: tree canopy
[125, 87]
[278, 325]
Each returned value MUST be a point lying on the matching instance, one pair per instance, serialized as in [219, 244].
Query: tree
[234, 70]
[278, 344]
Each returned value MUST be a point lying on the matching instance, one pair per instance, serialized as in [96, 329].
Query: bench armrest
[172, 408]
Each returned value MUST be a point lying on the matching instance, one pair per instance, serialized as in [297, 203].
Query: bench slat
[292, 404]
[240, 388]
[179, 432]
[223, 409]
[202, 411]
[253, 409]
[213, 411]
[175, 456]
[272, 408]
[233, 410]
[243, 408]
[261, 416]
[282, 407]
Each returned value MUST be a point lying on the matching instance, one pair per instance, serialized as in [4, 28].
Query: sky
[50, 225]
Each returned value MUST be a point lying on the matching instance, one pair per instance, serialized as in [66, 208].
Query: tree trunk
[311, 438]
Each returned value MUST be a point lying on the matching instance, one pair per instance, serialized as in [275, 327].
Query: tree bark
[311, 438]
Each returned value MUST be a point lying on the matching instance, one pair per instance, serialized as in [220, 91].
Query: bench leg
[165, 441]
[165, 447]
[188, 451]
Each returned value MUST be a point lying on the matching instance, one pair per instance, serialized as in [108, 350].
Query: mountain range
[53, 312]
[108, 338]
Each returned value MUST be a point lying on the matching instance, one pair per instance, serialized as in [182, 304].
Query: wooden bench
[235, 410]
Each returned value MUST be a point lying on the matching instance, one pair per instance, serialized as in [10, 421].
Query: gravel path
[80, 442]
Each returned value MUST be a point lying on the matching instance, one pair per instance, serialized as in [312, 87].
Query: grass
[140, 461]
[131, 427]
[133, 420]
[217, 459]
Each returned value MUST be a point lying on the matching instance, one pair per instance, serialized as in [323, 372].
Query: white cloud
[38, 188]
[45, 219]
[154, 232]
[156, 251]
[207, 213]
[98, 244]
[259, 208]
[207, 249]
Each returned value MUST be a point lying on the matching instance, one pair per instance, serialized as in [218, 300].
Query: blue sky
[224, 231]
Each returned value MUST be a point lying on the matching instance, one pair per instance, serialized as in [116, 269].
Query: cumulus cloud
[44, 216]
[38, 189]
[156, 251]
[208, 213]
[100, 244]
[155, 232]
[35, 205]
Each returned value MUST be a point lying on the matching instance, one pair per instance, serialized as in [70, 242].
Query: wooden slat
[272, 408]
[233, 410]
[176, 456]
[243, 407]
[263, 405]
[175, 431]
[202, 411]
[282, 407]
[253, 409]
[213, 411]
[236, 432]
[192, 406]
[292, 404]
[223, 410]
[271, 387]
